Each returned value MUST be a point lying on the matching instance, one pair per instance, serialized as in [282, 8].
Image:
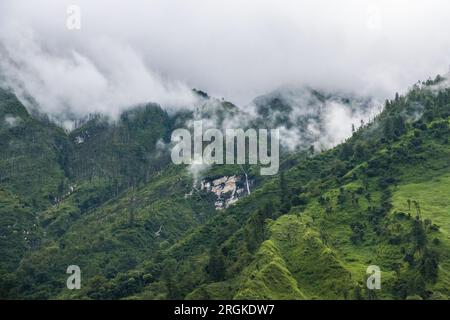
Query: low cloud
[130, 52]
[12, 121]
[108, 78]
[308, 117]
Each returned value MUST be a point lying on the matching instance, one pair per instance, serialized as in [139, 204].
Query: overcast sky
[134, 51]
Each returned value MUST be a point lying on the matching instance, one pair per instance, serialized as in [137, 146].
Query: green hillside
[107, 201]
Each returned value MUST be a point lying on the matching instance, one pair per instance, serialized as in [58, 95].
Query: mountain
[308, 117]
[105, 197]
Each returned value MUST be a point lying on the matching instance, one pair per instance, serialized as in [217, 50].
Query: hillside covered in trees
[107, 198]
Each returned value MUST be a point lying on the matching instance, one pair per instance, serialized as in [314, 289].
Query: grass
[268, 277]
[433, 195]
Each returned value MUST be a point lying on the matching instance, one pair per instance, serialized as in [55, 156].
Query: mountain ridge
[307, 233]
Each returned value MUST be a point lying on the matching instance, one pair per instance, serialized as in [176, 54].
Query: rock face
[228, 189]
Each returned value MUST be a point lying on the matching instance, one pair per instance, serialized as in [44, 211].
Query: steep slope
[30, 161]
[30, 178]
[125, 151]
[308, 233]
[361, 216]
[113, 208]
[340, 213]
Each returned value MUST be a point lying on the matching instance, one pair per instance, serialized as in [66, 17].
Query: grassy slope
[312, 251]
[433, 196]
[426, 182]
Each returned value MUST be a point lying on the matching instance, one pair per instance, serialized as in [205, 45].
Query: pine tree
[285, 195]
[216, 265]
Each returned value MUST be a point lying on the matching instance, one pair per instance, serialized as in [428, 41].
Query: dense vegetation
[105, 197]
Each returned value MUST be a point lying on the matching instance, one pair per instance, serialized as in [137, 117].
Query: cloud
[308, 117]
[11, 121]
[129, 52]
[107, 77]
[338, 121]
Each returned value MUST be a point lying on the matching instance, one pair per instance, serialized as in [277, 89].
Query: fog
[129, 52]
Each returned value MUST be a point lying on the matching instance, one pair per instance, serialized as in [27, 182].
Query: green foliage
[105, 198]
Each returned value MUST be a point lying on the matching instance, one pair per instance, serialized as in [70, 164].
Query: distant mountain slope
[308, 117]
[30, 161]
[125, 150]
[312, 232]
[308, 233]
